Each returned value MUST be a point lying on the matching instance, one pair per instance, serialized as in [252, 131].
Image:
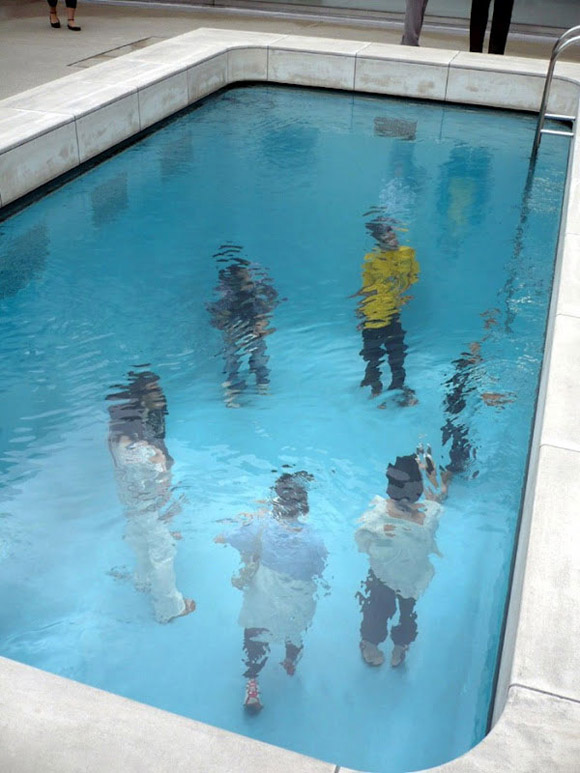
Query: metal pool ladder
[568, 38]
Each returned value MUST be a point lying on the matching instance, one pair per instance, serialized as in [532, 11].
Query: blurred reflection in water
[23, 259]
[109, 199]
[389, 270]
[463, 194]
[143, 474]
[398, 533]
[246, 300]
[282, 559]
[467, 376]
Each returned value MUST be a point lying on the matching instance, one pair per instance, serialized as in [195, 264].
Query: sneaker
[252, 703]
[371, 654]
[398, 656]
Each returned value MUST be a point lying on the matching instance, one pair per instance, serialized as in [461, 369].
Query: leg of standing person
[53, 16]
[394, 342]
[478, 23]
[257, 651]
[414, 15]
[258, 361]
[500, 25]
[71, 6]
[372, 353]
[378, 605]
[232, 361]
[405, 632]
[155, 553]
[293, 652]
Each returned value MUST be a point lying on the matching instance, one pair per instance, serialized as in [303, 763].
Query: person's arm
[436, 488]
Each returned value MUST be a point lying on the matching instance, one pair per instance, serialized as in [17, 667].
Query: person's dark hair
[139, 411]
[405, 479]
[381, 228]
[125, 420]
[290, 489]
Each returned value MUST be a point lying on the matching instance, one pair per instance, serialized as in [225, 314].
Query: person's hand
[497, 399]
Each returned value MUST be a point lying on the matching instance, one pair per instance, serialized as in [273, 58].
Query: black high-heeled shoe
[72, 27]
[54, 24]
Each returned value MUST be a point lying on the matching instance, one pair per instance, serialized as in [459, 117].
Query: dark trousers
[69, 3]
[378, 605]
[388, 340]
[257, 651]
[500, 24]
[458, 388]
[235, 349]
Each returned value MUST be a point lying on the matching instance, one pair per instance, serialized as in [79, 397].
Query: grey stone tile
[547, 656]
[335, 71]
[31, 164]
[536, 733]
[54, 725]
[561, 414]
[569, 291]
[206, 77]
[18, 126]
[104, 128]
[73, 96]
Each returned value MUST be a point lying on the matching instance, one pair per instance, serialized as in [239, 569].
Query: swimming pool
[283, 179]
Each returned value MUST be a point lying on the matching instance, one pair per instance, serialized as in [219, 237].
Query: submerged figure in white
[143, 474]
[283, 560]
[398, 533]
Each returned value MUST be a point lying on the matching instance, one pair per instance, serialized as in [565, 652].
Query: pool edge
[52, 129]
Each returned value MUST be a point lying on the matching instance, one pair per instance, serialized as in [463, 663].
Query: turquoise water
[116, 268]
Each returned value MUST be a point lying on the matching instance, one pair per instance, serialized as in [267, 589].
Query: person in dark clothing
[458, 386]
[398, 533]
[282, 560]
[465, 380]
[71, 6]
[242, 312]
[500, 24]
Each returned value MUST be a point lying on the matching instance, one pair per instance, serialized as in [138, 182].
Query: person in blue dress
[283, 559]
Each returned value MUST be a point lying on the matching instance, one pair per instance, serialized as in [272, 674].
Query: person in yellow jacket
[389, 270]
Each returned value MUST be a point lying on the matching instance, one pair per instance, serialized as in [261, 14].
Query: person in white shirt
[143, 474]
[398, 534]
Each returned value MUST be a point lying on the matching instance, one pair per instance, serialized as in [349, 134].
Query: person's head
[382, 231]
[291, 495]
[125, 421]
[237, 275]
[145, 392]
[405, 482]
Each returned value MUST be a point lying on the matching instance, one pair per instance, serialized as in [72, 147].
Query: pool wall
[50, 723]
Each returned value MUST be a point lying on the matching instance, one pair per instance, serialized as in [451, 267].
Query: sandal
[54, 24]
[72, 27]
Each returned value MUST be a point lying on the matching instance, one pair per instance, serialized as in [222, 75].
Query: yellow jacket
[387, 274]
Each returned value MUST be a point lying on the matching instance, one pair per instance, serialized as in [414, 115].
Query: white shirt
[399, 557]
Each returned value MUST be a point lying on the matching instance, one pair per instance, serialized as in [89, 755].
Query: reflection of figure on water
[282, 559]
[242, 312]
[389, 270]
[398, 533]
[462, 382]
[143, 474]
[22, 259]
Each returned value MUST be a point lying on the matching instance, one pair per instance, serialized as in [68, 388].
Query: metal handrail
[568, 38]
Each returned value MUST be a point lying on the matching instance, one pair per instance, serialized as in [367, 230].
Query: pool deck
[48, 723]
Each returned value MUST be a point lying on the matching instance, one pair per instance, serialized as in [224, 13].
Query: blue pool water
[116, 269]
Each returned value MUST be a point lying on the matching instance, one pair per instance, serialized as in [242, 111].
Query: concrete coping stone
[51, 724]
